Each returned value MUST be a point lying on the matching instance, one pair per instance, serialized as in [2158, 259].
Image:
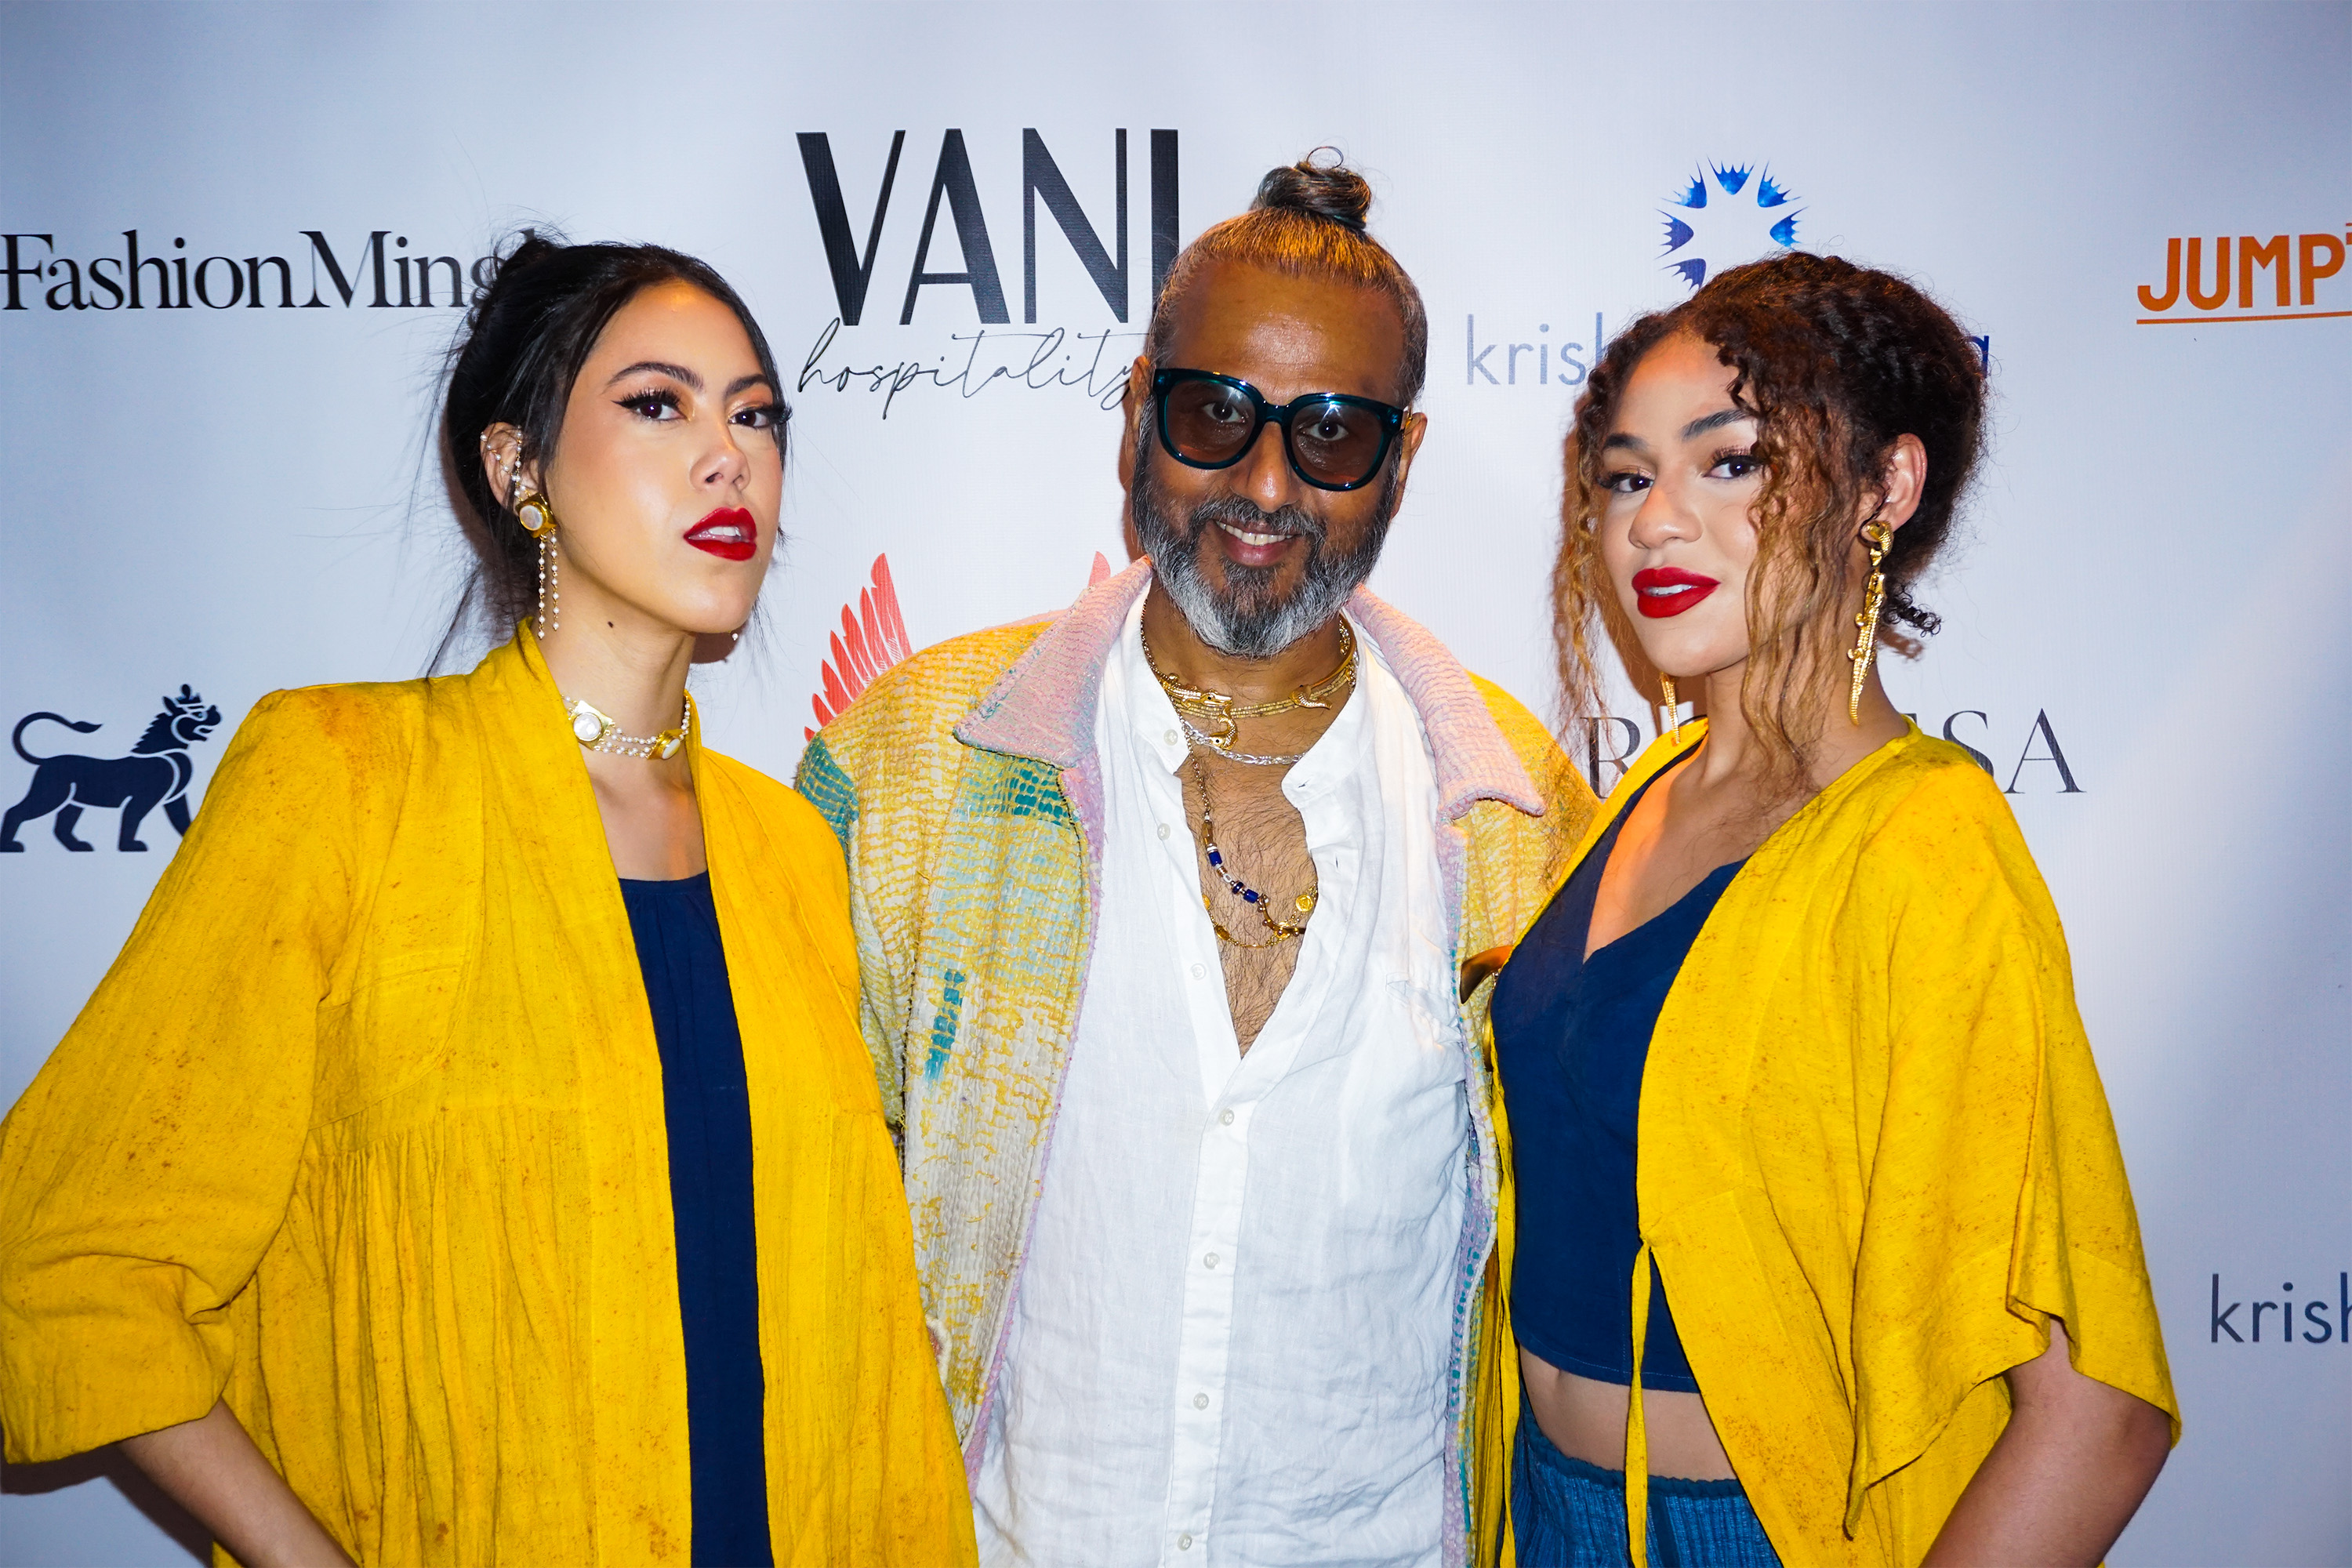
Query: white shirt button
[1170, 737]
[1183, 1543]
[1225, 1117]
[1199, 973]
[1200, 1401]
[1163, 830]
[1211, 1260]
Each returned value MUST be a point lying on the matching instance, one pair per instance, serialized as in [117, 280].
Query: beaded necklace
[1218, 708]
[1278, 931]
[598, 730]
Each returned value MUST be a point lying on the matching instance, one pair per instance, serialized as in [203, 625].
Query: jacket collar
[1043, 707]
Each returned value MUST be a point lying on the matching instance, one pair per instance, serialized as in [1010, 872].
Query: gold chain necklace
[1218, 709]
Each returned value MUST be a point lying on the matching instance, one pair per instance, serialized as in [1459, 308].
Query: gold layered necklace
[1218, 709]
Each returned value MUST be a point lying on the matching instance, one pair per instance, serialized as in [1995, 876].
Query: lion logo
[156, 772]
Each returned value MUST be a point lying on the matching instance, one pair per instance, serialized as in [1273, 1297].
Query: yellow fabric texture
[1875, 1159]
[363, 1131]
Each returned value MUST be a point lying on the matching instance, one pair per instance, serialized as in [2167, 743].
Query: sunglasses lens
[1208, 423]
[1337, 443]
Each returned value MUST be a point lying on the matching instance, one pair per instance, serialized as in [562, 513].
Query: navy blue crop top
[709, 1110]
[1571, 1038]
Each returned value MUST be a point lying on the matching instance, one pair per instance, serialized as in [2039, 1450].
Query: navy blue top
[1571, 1038]
[710, 1115]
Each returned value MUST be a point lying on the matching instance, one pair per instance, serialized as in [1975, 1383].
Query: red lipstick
[1662, 591]
[729, 534]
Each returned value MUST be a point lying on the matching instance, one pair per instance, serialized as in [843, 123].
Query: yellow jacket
[1875, 1159]
[363, 1131]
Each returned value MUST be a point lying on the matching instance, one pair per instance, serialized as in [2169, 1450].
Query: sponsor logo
[1564, 361]
[1612, 742]
[951, 180]
[1725, 214]
[1718, 221]
[156, 772]
[2249, 278]
[1047, 358]
[2322, 1320]
[375, 278]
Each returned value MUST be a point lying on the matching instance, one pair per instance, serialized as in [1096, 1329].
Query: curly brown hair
[1835, 361]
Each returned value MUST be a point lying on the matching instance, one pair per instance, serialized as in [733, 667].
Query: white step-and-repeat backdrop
[237, 237]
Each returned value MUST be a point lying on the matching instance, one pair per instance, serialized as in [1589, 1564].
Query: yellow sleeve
[147, 1168]
[1996, 1192]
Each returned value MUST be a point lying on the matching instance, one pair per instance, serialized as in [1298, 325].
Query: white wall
[241, 498]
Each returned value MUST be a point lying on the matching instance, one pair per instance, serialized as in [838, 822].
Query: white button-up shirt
[1232, 1334]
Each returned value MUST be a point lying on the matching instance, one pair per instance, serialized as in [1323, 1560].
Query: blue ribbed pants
[1566, 1513]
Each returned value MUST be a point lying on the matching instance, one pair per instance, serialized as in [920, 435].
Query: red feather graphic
[873, 638]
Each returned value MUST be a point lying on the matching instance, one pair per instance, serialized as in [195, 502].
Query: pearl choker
[598, 730]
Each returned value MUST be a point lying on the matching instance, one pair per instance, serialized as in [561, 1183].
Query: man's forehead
[1271, 328]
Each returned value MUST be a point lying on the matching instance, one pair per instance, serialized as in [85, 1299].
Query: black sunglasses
[1335, 441]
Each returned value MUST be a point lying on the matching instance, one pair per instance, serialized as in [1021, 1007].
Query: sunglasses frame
[1392, 419]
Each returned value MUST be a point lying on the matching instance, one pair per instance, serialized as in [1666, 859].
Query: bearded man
[1206, 1258]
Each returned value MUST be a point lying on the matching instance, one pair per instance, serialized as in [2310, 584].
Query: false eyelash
[662, 397]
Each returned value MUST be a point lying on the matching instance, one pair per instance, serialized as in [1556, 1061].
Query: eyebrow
[1691, 431]
[1716, 421]
[675, 372]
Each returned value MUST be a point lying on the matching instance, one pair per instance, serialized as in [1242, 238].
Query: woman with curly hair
[1825, 1251]
[472, 1156]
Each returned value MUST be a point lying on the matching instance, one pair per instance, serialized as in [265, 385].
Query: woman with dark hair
[1822, 1233]
[393, 1198]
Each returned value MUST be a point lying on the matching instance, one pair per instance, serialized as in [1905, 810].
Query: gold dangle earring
[1876, 536]
[1674, 712]
[537, 518]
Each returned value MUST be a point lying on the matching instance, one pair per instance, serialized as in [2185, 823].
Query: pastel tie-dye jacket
[966, 791]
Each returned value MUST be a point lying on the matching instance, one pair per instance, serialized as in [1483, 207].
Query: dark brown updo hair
[523, 346]
[1307, 221]
[1835, 361]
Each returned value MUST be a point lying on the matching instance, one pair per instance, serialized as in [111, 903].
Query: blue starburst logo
[1714, 223]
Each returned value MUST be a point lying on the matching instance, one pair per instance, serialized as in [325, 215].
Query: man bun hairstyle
[1307, 221]
[1332, 192]
[529, 334]
[1835, 361]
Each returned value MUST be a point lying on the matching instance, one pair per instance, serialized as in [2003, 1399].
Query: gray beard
[1250, 621]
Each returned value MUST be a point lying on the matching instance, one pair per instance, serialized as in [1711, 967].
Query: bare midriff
[1585, 1419]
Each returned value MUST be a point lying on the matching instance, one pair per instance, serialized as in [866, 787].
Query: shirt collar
[1137, 702]
[1044, 706]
